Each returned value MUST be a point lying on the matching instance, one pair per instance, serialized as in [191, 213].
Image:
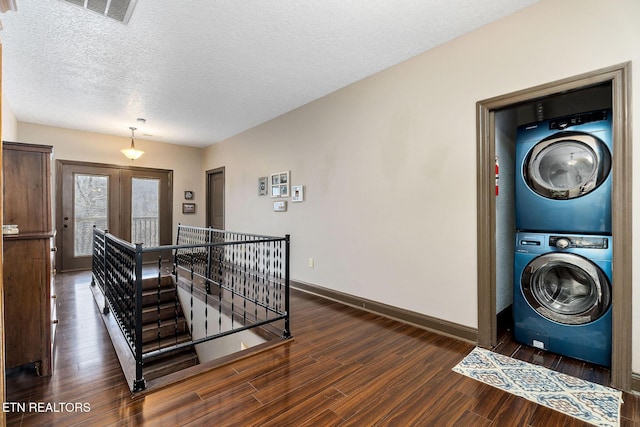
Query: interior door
[215, 198]
[90, 197]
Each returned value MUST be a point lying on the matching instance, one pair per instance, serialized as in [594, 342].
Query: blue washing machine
[562, 294]
[563, 181]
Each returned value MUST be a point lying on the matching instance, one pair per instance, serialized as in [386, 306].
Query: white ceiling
[202, 71]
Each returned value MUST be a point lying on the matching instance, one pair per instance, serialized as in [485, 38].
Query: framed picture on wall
[263, 186]
[297, 193]
[280, 184]
[188, 195]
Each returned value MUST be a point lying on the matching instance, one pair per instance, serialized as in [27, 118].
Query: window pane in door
[145, 208]
[91, 202]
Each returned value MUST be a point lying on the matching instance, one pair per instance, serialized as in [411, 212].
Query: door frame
[620, 77]
[208, 212]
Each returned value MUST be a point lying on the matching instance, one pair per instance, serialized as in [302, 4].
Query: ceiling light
[131, 152]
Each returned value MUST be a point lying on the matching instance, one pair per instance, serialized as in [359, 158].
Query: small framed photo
[280, 184]
[188, 195]
[263, 186]
[188, 208]
[280, 206]
[297, 193]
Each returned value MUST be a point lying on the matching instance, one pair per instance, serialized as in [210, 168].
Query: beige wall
[185, 162]
[389, 162]
[9, 122]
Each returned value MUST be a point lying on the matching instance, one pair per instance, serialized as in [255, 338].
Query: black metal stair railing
[247, 273]
[242, 279]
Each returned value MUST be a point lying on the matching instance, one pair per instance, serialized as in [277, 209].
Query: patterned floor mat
[589, 402]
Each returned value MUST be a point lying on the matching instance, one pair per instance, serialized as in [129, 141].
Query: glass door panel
[91, 208]
[145, 211]
[90, 196]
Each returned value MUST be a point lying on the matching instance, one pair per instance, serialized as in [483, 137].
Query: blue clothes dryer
[563, 181]
[562, 294]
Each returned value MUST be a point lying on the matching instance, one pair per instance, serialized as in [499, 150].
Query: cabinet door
[26, 286]
[27, 192]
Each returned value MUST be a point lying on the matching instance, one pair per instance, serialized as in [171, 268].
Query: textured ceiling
[202, 71]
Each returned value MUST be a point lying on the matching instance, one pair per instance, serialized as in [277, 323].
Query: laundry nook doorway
[615, 80]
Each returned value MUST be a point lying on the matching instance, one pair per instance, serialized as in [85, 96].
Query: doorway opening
[496, 114]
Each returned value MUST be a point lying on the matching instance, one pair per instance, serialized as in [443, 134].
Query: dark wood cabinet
[28, 262]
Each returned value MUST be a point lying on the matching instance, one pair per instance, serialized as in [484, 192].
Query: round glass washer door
[566, 288]
[567, 165]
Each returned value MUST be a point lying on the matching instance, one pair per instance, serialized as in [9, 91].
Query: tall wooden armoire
[29, 315]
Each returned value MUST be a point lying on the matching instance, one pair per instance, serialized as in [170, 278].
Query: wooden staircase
[164, 325]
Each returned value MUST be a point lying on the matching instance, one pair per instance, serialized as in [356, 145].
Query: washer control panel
[586, 242]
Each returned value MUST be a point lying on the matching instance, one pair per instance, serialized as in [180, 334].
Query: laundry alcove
[497, 120]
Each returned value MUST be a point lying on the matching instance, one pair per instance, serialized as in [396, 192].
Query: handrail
[241, 275]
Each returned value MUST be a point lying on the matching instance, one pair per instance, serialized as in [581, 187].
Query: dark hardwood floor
[344, 367]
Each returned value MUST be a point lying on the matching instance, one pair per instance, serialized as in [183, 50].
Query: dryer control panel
[578, 119]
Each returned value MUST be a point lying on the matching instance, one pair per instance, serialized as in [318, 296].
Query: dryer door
[566, 288]
[567, 165]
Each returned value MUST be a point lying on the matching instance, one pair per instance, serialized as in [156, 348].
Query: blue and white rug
[589, 402]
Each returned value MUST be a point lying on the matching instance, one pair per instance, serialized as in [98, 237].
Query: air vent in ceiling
[120, 10]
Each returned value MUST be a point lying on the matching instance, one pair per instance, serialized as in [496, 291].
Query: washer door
[567, 165]
[566, 288]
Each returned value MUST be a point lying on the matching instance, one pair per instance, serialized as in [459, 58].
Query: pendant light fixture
[131, 152]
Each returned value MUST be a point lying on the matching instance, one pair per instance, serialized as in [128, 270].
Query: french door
[133, 204]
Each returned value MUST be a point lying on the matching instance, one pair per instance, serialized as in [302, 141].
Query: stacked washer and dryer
[563, 251]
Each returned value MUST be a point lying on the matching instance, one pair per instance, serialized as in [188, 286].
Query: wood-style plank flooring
[344, 367]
